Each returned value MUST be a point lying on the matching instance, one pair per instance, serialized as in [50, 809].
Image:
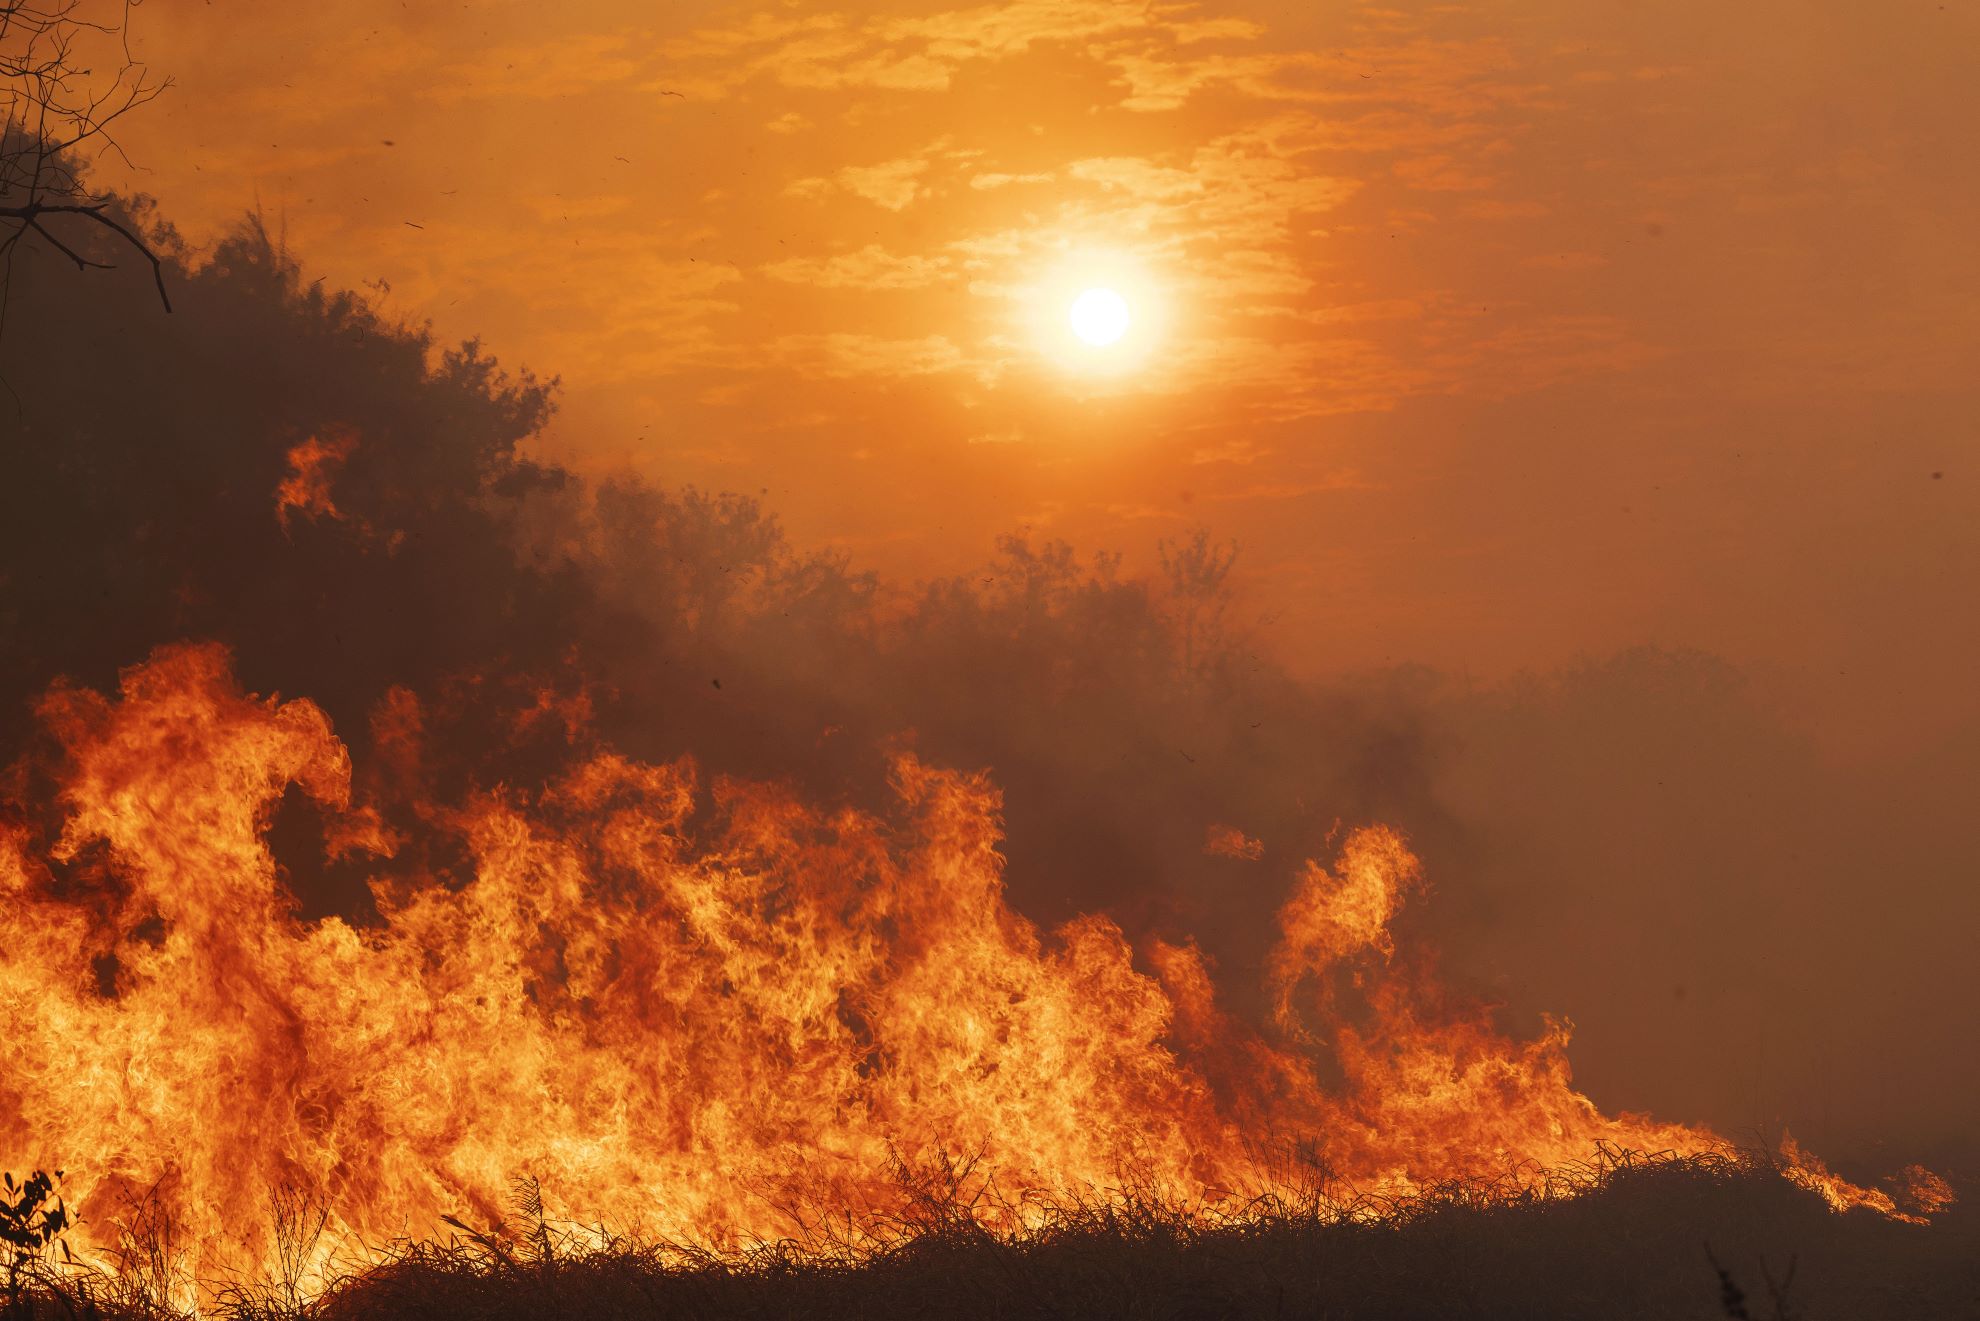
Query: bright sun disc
[1099, 316]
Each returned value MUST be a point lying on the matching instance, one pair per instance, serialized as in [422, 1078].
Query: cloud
[891, 184]
[757, 30]
[846, 354]
[826, 65]
[1236, 449]
[1267, 184]
[1138, 177]
[1152, 48]
[996, 180]
[1012, 28]
[1441, 173]
[872, 267]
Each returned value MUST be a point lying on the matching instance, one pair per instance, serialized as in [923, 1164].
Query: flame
[313, 466]
[1921, 1193]
[711, 1011]
[1221, 841]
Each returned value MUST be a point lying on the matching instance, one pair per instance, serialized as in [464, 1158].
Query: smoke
[350, 509]
[1744, 936]
[1739, 927]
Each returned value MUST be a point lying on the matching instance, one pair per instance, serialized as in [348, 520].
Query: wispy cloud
[871, 267]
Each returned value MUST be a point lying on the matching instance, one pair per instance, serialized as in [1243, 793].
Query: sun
[1100, 316]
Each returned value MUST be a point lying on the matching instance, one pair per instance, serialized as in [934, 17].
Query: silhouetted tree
[57, 111]
[1197, 571]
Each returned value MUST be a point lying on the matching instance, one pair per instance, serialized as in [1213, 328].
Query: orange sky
[1495, 332]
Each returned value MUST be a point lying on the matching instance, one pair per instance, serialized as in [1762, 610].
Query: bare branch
[30, 218]
[82, 263]
[56, 114]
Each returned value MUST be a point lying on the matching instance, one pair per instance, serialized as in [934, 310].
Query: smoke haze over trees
[1744, 936]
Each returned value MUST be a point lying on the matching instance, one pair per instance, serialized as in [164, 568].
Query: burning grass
[357, 1003]
[726, 1018]
[1625, 1235]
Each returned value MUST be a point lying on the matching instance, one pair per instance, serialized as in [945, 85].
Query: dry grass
[1656, 1238]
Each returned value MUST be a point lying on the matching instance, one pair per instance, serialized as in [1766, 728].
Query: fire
[1921, 1194]
[711, 1011]
[313, 466]
[1221, 841]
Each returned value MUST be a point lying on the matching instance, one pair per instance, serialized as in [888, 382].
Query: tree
[59, 112]
[1197, 570]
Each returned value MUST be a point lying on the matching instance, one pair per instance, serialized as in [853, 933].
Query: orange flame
[717, 1013]
[1921, 1193]
[1229, 842]
[313, 466]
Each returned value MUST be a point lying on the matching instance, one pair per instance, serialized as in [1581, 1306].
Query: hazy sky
[1496, 332]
